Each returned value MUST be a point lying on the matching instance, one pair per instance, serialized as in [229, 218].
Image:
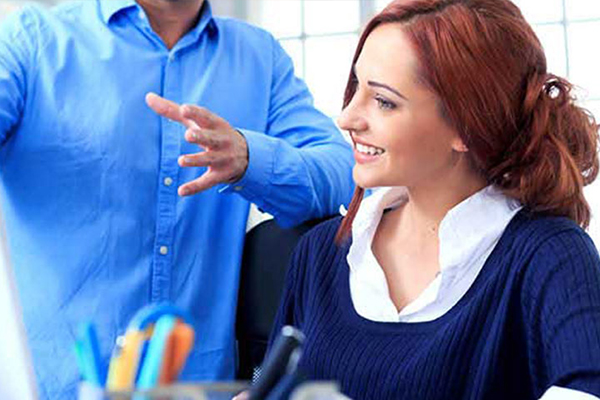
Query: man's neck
[172, 19]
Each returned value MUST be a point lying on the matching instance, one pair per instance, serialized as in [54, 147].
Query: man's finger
[206, 181]
[205, 138]
[201, 116]
[167, 109]
[204, 159]
[164, 107]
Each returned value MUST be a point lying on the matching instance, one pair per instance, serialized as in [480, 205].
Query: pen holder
[209, 391]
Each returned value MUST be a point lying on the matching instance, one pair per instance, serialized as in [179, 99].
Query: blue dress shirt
[89, 173]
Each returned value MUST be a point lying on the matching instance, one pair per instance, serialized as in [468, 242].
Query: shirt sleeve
[17, 52]
[301, 167]
[561, 308]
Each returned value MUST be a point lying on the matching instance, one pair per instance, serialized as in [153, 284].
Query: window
[320, 36]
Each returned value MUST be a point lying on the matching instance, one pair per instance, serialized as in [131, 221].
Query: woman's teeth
[372, 151]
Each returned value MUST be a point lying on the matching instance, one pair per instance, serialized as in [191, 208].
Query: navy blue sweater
[531, 320]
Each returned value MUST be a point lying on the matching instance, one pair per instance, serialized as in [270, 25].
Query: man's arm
[300, 168]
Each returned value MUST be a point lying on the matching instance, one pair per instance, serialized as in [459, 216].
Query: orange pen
[177, 349]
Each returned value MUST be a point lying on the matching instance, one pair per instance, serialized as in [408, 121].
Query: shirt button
[164, 250]
[168, 181]
[238, 188]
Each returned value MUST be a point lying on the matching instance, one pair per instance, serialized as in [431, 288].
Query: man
[90, 174]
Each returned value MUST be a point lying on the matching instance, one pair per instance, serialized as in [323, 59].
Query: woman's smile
[366, 153]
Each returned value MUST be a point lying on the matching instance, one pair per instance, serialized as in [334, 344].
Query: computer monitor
[17, 379]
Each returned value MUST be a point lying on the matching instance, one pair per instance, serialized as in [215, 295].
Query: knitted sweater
[531, 320]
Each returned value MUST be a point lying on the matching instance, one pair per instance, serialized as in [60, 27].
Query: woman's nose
[351, 119]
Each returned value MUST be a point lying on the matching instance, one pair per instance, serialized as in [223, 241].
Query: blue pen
[81, 363]
[153, 361]
[90, 355]
[143, 352]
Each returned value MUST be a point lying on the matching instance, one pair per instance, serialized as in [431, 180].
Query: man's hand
[226, 150]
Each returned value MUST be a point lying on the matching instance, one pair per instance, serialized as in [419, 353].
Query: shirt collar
[367, 219]
[109, 8]
[464, 232]
[474, 225]
[206, 21]
[371, 208]
[468, 233]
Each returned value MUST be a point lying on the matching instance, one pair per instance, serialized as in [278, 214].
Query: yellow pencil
[122, 373]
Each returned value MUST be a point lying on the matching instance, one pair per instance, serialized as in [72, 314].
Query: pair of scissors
[153, 350]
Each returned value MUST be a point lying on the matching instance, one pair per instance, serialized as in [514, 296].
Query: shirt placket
[171, 133]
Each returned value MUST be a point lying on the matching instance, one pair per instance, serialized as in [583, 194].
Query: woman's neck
[427, 205]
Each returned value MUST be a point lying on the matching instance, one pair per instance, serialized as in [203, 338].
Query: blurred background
[320, 36]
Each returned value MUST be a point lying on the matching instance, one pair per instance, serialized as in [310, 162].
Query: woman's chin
[366, 180]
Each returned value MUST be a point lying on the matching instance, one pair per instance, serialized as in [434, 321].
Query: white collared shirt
[467, 234]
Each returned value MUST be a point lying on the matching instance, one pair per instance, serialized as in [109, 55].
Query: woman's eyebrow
[384, 86]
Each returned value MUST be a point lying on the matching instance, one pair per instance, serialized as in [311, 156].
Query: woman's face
[399, 137]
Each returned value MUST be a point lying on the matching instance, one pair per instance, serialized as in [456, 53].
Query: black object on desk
[281, 360]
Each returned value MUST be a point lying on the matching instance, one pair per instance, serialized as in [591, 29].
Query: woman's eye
[384, 104]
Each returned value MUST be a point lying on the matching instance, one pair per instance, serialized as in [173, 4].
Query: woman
[466, 275]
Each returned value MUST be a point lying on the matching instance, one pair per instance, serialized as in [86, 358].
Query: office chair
[265, 260]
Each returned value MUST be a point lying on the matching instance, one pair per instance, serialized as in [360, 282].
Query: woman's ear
[459, 146]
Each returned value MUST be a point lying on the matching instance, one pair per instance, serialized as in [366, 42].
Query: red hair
[524, 132]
